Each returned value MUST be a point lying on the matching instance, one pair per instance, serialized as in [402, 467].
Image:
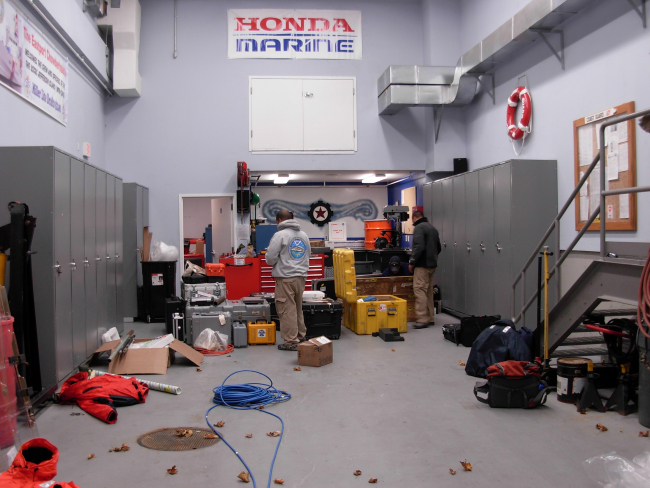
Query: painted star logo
[321, 213]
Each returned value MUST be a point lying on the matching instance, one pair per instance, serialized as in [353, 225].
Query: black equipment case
[323, 318]
[468, 330]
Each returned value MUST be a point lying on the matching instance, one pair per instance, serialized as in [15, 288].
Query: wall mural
[364, 209]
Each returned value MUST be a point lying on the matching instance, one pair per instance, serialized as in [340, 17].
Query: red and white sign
[157, 279]
[600, 115]
[290, 33]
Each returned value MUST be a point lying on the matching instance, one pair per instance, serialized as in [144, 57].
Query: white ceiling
[331, 176]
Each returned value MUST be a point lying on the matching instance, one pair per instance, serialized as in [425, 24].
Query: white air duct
[125, 24]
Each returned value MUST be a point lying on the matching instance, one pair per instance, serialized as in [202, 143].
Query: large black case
[159, 279]
[270, 298]
[174, 305]
[323, 319]
[468, 330]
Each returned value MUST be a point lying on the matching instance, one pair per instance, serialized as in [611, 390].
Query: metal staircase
[607, 279]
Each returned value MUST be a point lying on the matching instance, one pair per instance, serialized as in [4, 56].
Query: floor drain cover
[169, 440]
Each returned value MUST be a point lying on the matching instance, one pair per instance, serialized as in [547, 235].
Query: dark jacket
[403, 271]
[426, 245]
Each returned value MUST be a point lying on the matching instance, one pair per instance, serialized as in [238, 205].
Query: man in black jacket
[423, 263]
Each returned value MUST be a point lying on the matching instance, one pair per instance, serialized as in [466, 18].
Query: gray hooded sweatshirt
[289, 251]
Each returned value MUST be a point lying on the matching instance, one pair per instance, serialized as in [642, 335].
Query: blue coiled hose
[248, 396]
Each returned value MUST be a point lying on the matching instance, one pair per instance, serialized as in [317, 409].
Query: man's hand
[411, 268]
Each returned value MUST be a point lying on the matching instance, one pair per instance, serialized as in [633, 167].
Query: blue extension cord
[248, 396]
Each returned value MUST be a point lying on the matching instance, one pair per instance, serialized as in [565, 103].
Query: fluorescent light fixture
[281, 179]
[373, 178]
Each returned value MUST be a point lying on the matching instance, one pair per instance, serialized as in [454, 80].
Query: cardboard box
[148, 361]
[315, 352]
[200, 246]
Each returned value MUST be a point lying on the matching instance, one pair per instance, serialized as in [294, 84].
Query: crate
[261, 333]
[387, 312]
[385, 285]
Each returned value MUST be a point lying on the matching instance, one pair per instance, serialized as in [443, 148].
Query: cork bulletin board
[620, 168]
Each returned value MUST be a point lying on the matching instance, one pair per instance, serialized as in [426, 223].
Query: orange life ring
[517, 131]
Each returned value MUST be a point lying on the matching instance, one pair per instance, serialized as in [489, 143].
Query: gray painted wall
[190, 127]
[607, 63]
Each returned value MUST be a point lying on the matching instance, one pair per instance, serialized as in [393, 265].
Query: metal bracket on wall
[559, 55]
[437, 118]
[640, 11]
[489, 90]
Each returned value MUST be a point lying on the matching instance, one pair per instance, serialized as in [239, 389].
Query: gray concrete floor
[404, 416]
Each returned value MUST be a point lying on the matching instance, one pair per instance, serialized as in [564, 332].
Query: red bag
[515, 370]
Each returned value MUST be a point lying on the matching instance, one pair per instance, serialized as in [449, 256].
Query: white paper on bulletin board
[337, 231]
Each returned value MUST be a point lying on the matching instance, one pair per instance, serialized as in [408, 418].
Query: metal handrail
[556, 221]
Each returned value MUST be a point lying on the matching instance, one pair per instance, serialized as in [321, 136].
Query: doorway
[209, 217]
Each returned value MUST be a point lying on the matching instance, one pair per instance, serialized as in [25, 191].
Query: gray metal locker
[427, 196]
[139, 230]
[437, 221]
[471, 246]
[503, 254]
[111, 290]
[62, 267]
[145, 206]
[119, 255]
[133, 211]
[100, 259]
[459, 219]
[448, 241]
[486, 250]
[89, 263]
[77, 255]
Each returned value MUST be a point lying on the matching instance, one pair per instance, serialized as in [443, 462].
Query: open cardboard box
[148, 361]
[315, 352]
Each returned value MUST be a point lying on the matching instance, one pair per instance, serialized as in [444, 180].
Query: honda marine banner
[30, 65]
[300, 34]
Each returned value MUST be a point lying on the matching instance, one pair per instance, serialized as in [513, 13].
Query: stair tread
[614, 312]
[582, 341]
[580, 352]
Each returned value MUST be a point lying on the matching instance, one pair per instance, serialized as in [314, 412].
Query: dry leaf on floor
[274, 434]
[278, 481]
[466, 466]
[199, 369]
[90, 456]
[644, 434]
[583, 411]
[172, 470]
[184, 432]
[297, 368]
[372, 480]
[452, 471]
[260, 407]
[221, 423]
[234, 361]
[244, 476]
[249, 435]
[393, 350]
[357, 473]
[210, 436]
[461, 363]
[601, 427]
[125, 447]
[229, 356]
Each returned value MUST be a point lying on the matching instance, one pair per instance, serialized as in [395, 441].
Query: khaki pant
[288, 304]
[423, 290]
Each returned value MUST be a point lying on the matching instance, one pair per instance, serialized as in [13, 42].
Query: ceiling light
[281, 180]
[373, 178]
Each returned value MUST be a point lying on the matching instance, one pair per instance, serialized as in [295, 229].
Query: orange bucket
[373, 230]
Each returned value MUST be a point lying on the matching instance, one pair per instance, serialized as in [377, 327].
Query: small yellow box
[387, 312]
[260, 333]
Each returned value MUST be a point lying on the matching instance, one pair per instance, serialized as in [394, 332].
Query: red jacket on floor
[100, 395]
[34, 464]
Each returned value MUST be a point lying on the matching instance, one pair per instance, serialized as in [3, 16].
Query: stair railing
[561, 256]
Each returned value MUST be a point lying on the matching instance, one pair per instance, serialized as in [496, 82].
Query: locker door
[448, 242]
[460, 258]
[486, 238]
[100, 253]
[437, 214]
[111, 290]
[502, 252]
[139, 223]
[76, 263]
[145, 207]
[63, 281]
[119, 256]
[89, 264]
[471, 246]
[426, 199]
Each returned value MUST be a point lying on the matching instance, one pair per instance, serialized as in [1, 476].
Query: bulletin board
[620, 168]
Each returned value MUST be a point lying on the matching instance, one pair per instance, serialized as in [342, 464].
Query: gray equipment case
[190, 291]
[210, 320]
[240, 334]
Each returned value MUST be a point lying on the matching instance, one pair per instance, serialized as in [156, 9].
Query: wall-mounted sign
[30, 65]
[289, 33]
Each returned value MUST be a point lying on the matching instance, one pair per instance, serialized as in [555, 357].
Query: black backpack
[499, 342]
[468, 330]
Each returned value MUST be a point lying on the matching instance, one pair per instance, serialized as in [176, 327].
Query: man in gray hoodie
[289, 253]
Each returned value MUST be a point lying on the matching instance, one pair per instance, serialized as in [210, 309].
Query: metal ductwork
[413, 86]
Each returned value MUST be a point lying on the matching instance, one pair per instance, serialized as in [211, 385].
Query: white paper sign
[610, 211]
[622, 131]
[584, 209]
[584, 190]
[624, 206]
[338, 231]
[294, 33]
[585, 144]
[30, 65]
[623, 156]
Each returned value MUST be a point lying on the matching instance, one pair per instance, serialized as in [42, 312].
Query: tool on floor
[123, 346]
[388, 335]
[589, 396]
[623, 394]
[249, 396]
[152, 385]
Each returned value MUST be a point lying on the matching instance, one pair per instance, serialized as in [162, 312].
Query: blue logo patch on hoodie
[297, 248]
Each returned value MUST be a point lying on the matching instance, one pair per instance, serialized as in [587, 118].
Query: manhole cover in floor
[169, 439]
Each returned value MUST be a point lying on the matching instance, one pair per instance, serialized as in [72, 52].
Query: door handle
[98, 258]
[469, 248]
[117, 256]
[499, 248]
[73, 265]
[57, 267]
[214, 253]
[108, 257]
[482, 247]
[86, 262]
[455, 243]
[309, 95]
